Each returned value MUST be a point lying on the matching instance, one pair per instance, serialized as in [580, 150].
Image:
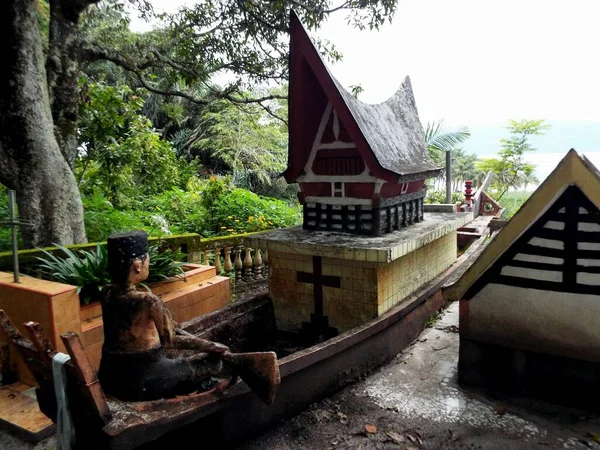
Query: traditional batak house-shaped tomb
[361, 168]
[365, 245]
[530, 303]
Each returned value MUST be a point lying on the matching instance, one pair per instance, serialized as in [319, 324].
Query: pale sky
[479, 62]
[476, 61]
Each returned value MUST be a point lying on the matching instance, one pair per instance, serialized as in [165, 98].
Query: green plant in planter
[88, 270]
[165, 264]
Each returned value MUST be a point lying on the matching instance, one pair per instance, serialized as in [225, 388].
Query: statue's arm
[163, 320]
[166, 330]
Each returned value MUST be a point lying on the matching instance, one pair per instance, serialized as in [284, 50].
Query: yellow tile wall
[368, 289]
[400, 278]
[293, 301]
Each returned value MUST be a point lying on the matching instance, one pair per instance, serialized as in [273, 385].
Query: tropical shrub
[241, 211]
[213, 207]
[88, 270]
[165, 264]
[439, 196]
[102, 219]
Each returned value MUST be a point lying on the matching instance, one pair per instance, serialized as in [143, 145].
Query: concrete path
[414, 402]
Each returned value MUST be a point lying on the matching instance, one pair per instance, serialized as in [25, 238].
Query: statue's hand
[218, 348]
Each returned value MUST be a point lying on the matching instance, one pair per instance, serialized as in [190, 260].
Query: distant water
[551, 147]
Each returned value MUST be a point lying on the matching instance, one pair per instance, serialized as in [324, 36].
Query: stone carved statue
[141, 355]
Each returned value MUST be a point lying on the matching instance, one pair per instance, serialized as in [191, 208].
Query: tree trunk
[62, 68]
[31, 161]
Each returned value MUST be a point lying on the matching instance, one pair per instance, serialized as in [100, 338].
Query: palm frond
[440, 140]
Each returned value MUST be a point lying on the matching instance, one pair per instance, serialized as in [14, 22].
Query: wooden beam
[41, 341]
[87, 374]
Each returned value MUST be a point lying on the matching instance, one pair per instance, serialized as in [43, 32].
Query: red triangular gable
[311, 88]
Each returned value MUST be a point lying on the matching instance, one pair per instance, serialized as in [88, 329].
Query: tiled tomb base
[361, 277]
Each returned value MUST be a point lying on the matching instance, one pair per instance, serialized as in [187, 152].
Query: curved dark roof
[389, 135]
[393, 130]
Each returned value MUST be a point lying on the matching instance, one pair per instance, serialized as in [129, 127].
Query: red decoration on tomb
[361, 168]
[469, 194]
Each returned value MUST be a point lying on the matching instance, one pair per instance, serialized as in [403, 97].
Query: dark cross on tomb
[318, 330]
[13, 223]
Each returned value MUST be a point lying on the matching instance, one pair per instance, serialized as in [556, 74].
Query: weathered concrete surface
[8, 442]
[381, 249]
[417, 396]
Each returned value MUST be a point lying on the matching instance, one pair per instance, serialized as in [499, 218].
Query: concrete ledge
[383, 249]
[439, 208]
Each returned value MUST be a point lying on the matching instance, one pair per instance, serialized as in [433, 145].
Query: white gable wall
[550, 322]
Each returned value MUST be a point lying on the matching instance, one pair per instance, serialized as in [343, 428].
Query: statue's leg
[205, 365]
[198, 344]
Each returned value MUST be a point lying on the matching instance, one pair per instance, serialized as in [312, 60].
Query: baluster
[237, 264]
[207, 257]
[257, 264]
[218, 261]
[248, 265]
[228, 265]
[195, 257]
[266, 263]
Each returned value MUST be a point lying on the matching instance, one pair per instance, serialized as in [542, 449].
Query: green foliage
[439, 197]
[201, 41]
[242, 211]
[102, 219]
[213, 207]
[122, 156]
[440, 140]
[510, 169]
[511, 202]
[86, 270]
[6, 232]
[180, 209]
[247, 143]
[164, 265]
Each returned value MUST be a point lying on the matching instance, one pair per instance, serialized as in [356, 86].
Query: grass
[511, 202]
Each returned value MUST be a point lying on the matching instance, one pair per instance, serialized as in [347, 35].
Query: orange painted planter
[56, 307]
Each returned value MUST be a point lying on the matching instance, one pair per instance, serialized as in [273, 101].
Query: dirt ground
[414, 402]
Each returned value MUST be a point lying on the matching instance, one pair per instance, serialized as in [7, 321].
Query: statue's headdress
[123, 249]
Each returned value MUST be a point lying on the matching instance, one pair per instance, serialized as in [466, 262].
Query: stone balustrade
[246, 266]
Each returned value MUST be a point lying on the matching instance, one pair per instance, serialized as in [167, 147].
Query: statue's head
[128, 257]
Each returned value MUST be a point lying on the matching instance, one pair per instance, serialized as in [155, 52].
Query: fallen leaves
[396, 437]
[449, 329]
[595, 437]
[370, 428]
[454, 436]
[343, 418]
[500, 409]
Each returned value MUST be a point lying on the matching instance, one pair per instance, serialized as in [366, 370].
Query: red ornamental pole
[468, 193]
